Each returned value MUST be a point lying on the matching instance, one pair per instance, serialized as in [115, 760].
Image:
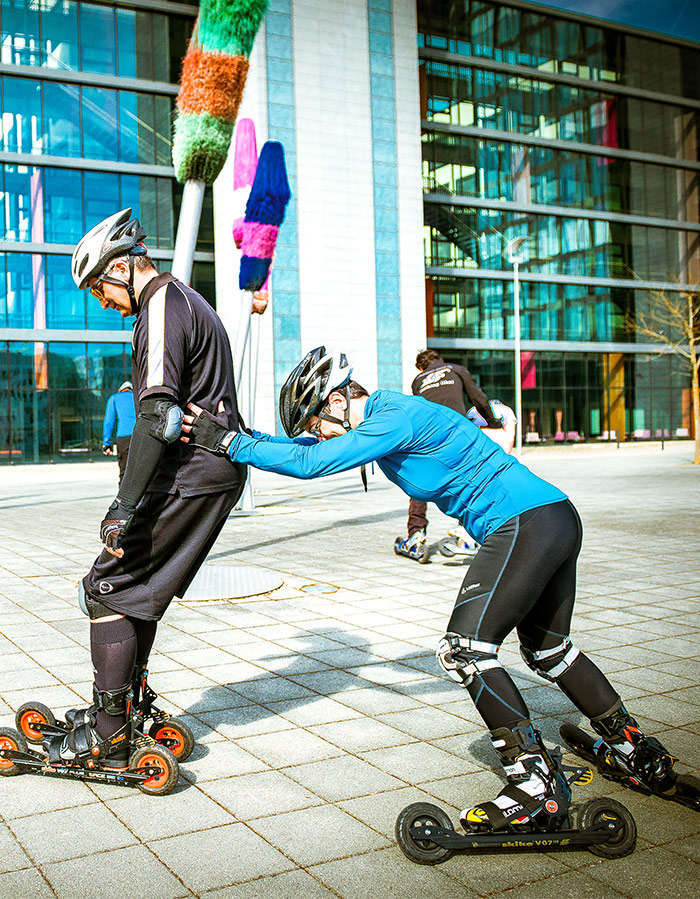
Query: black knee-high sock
[113, 647]
[145, 635]
[497, 699]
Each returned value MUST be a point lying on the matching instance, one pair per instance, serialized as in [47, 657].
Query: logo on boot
[551, 806]
[106, 587]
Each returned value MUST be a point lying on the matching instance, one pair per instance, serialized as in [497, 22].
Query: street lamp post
[513, 253]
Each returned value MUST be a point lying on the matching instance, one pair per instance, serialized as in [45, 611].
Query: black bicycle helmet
[309, 385]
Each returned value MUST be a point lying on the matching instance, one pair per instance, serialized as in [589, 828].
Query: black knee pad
[552, 663]
[93, 608]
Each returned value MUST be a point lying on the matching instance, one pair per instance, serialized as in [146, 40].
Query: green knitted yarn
[200, 146]
[230, 26]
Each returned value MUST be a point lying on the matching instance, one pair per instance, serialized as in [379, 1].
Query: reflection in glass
[460, 95]
[464, 237]
[97, 43]
[62, 119]
[59, 34]
[488, 169]
[65, 304]
[100, 123]
[101, 196]
[63, 207]
[21, 115]
[20, 33]
[18, 290]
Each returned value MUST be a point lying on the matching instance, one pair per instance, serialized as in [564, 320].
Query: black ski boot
[624, 753]
[537, 787]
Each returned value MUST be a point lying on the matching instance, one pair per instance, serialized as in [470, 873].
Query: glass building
[86, 99]
[580, 136]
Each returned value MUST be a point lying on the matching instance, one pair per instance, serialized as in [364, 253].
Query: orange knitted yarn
[213, 83]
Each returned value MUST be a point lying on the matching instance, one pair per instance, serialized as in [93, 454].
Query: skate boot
[459, 542]
[642, 761]
[415, 547]
[537, 793]
[84, 746]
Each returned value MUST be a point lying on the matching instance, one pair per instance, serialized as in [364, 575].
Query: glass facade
[583, 140]
[72, 153]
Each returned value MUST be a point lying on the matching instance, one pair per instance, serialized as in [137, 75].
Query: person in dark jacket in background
[445, 383]
[120, 415]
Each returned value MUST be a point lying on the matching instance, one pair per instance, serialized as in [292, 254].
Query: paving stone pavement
[319, 710]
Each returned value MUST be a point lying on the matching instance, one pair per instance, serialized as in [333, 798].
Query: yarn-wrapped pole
[214, 73]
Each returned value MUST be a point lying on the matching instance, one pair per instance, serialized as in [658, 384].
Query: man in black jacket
[173, 500]
[445, 383]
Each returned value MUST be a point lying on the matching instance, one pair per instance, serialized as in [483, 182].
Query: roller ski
[126, 757]
[458, 544]
[35, 721]
[533, 811]
[624, 754]
[414, 547]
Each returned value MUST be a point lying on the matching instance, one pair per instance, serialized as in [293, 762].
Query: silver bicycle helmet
[117, 235]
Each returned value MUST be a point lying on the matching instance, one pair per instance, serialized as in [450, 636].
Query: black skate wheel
[423, 814]
[597, 814]
[29, 715]
[159, 757]
[175, 735]
[11, 739]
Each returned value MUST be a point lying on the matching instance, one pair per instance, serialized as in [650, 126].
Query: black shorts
[524, 576]
[169, 539]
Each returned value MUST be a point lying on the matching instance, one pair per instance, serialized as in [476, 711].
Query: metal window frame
[59, 335]
[444, 271]
[90, 165]
[447, 199]
[513, 137]
[519, 71]
[90, 79]
[66, 249]
[543, 346]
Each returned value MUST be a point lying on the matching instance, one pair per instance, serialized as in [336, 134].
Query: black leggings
[524, 577]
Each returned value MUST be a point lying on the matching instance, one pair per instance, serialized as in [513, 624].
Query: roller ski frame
[419, 553]
[685, 789]
[605, 827]
[454, 546]
[149, 767]
[35, 721]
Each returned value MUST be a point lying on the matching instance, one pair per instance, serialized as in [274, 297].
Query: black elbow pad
[160, 418]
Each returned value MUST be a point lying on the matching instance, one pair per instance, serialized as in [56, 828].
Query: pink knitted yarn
[238, 232]
[259, 240]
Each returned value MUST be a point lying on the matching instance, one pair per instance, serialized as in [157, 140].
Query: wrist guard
[116, 523]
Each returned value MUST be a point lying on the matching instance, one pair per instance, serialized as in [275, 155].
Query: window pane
[126, 39]
[62, 119]
[100, 123]
[163, 116]
[62, 201]
[100, 319]
[101, 196]
[20, 299]
[59, 32]
[21, 115]
[97, 39]
[109, 365]
[20, 33]
[70, 423]
[65, 304]
[160, 51]
[16, 194]
[67, 365]
[136, 127]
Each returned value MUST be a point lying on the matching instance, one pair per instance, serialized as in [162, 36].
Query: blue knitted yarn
[253, 272]
[270, 192]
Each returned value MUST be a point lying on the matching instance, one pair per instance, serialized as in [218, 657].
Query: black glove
[209, 434]
[116, 523]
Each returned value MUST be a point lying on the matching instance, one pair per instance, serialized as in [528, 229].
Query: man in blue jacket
[120, 415]
[523, 576]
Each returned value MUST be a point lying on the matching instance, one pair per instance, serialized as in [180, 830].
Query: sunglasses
[97, 291]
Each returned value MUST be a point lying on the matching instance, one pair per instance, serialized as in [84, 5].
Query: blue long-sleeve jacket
[120, 411]
[433, 453]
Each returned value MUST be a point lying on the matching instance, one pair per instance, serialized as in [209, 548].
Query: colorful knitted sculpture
[264, 214]
[213, 77]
